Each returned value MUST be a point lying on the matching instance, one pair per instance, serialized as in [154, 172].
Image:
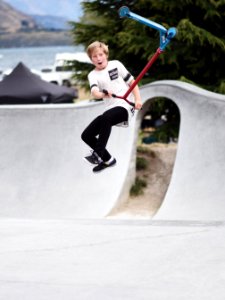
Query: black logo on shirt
[113, 74]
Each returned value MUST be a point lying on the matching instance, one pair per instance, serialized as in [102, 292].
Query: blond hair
[91, 48]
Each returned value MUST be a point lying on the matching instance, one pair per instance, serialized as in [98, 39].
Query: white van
[62, 71]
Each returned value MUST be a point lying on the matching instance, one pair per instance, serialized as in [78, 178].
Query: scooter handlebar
[124, 11]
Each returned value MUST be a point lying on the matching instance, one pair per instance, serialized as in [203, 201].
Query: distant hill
[12, 21]
[20, 30]
[35, 39]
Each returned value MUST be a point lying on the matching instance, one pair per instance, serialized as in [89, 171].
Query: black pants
[97, 133]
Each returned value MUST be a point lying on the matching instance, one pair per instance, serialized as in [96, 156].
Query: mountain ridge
[18, 29]
[12, 20]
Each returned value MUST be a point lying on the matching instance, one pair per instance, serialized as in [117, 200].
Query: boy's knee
[106, 119]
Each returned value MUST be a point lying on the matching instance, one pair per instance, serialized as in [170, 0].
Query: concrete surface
[43, 174]
[107, 260]
[197, 189]
[42, 171]
[54, 240]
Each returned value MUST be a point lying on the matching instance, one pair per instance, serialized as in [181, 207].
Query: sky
[70, 9]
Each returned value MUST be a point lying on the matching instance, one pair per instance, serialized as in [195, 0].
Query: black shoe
[100, 167]
[93, 159]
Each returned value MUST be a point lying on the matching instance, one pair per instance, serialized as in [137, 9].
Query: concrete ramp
[43, 175]
[197, 188]
[42, 171]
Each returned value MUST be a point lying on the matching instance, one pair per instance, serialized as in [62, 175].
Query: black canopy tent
[22, 86]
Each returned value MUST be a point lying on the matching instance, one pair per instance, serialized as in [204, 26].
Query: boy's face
[99, 59]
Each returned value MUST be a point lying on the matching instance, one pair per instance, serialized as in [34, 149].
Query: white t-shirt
[115, 78]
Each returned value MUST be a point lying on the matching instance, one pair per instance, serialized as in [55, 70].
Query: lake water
[33, 57]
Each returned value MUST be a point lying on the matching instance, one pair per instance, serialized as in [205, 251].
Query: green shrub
[137, 188]
[141, 163]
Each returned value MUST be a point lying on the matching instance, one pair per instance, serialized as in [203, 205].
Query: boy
[112, 78]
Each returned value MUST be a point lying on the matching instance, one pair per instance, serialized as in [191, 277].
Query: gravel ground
[160, 161]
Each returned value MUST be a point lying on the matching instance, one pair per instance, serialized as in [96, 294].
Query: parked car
[62, 71]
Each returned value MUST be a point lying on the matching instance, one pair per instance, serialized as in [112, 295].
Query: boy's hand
[138, 105]
[107, 94]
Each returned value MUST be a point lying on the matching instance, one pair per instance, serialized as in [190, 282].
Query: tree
[196, 55]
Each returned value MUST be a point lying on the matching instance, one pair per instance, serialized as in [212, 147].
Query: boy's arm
[94, 87]
[137, 96]
[98, 94]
